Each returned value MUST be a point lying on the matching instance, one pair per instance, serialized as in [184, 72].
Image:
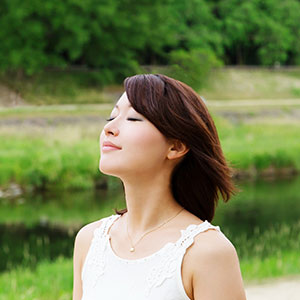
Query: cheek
[143, 149]
[148, 142]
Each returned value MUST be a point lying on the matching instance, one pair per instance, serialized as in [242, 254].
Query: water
[261, 204]
[262, 219]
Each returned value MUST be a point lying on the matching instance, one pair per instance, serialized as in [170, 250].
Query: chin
[118, 170]
[109, 169]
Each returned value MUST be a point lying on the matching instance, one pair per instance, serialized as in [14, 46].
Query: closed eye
[129, 119]
[133, 119]
[109, 119]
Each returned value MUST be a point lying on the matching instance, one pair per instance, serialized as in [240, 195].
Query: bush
[192, 67]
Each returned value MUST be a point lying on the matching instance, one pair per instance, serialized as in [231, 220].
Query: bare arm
[217, 272]
[77, 264]
[81, 246]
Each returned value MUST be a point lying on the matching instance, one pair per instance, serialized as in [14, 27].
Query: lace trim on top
[95, 259]
[169, 260]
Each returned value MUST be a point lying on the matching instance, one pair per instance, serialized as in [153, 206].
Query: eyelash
[130, 119]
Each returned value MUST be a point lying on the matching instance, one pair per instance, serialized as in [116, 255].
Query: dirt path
[282, 289]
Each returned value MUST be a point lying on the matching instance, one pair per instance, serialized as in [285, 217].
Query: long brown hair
[178, 112]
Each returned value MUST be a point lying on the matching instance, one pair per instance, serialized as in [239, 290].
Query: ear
[177, 150]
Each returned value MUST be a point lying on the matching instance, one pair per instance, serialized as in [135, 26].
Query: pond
[263, 219]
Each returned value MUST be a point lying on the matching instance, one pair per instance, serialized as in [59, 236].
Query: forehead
[123, 102]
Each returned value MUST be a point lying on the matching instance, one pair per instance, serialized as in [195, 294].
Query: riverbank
[227, 83]
[257, 113]
[57, 147]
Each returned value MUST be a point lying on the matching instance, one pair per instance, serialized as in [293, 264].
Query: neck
[149, 204]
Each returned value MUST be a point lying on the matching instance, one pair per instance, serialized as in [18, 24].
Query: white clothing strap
[106, 223]
[95, 258]
[188, 234]
[170, 260]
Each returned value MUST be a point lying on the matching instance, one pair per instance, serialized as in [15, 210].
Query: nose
[111, 129]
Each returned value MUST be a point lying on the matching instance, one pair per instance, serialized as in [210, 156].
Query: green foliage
[261, 32]
[192, 67]
[92, 33]
[115, 37]
[45, 165]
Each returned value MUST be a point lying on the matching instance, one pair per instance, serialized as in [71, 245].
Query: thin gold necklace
[132, 249]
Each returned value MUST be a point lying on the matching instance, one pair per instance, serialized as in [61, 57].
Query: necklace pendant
[132, 249]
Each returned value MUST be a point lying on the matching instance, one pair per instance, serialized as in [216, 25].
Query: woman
[161, 141]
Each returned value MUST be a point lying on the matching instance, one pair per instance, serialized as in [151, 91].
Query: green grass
[296, 92]
[257, 146]
[50, 280]
[284, 264]
[273, 241]
[65, 110]
[67, 157]
[44, 163]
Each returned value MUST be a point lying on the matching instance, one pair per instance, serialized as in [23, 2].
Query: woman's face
[142, 149]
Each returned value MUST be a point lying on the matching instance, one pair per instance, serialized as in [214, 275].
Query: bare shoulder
[216, 275]
[212, 244]
[86, 232]
[82, 243]
[83, 240]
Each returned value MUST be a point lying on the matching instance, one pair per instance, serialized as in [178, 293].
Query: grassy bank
[252, 83]
[66, 156]
[55, 87]
[256, 148]
[46, 147]
[50, 280]
[75, 87]
[47, 164]
[285, 264]
[271, 252]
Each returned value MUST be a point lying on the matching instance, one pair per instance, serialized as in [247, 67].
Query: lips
[109, 145]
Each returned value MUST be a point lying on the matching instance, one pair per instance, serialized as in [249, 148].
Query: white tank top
[106, 276]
